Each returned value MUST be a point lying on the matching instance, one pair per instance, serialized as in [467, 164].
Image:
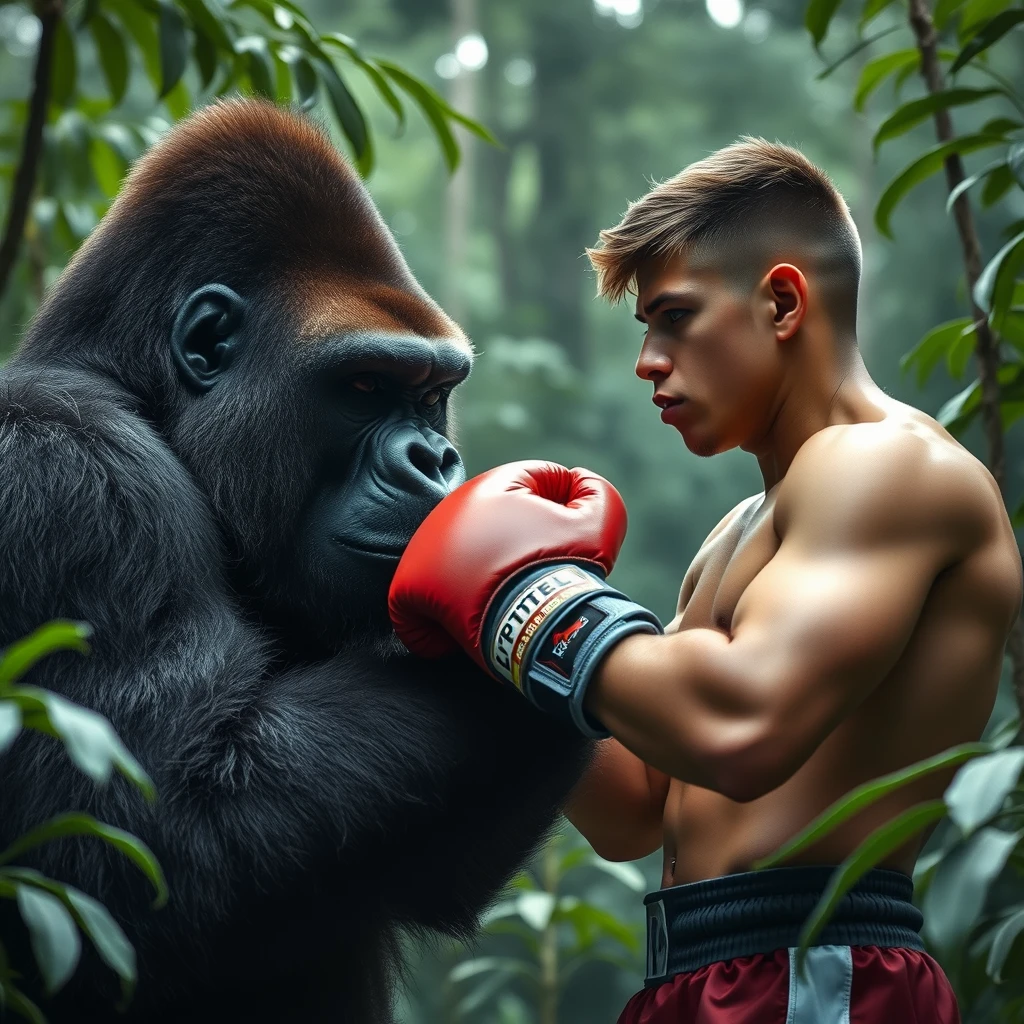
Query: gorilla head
[247, 297]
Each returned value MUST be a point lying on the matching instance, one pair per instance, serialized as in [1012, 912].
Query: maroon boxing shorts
[723, 951]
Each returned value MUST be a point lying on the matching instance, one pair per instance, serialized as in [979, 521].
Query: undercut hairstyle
[737, 212]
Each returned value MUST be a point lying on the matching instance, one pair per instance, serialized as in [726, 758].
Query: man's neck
[837, 390]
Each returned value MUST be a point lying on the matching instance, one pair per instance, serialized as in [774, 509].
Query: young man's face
[710, 353]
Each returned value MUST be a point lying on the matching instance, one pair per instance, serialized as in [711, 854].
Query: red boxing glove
[485, 532]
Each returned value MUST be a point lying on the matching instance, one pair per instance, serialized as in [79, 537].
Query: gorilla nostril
[423, 459]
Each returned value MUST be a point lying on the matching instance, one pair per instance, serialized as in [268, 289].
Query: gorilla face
[386, 460]
[360, 455]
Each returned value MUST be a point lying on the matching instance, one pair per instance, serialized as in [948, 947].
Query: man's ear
[205, 337]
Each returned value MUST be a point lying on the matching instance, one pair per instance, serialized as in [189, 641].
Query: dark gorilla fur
[319, 789]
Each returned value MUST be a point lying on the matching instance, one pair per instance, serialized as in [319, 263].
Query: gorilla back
[215, 440]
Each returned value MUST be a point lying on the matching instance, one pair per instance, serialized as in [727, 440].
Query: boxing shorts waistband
[691, 926]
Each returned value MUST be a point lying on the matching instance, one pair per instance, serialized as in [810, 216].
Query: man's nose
[652, 365]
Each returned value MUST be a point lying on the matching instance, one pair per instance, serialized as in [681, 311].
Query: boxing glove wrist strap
[549, 628]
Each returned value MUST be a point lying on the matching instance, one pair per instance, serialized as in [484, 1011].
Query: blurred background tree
[591, 100]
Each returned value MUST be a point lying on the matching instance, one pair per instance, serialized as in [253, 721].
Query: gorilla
[216, 437]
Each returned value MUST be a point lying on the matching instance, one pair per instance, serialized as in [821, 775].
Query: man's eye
[676, 314]
[365, 382]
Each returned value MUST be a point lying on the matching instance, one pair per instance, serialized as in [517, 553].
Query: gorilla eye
[432, 397]
[365, 382]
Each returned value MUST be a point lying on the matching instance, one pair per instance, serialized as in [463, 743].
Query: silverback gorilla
[216, 438]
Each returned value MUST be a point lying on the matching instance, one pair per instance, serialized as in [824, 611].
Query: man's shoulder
[893, 475]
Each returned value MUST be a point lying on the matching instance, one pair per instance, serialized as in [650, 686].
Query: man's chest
[726, 565]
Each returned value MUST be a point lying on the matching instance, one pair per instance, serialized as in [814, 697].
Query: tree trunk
[49, 13]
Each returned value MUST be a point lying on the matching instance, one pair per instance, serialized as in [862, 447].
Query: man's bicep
[825, 628]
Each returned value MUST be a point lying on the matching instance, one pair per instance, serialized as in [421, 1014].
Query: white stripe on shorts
[822, 995]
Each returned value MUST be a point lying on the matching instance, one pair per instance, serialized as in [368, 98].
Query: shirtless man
[846, 622]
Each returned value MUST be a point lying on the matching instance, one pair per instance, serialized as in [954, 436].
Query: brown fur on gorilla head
[250, 204]
[254, 197]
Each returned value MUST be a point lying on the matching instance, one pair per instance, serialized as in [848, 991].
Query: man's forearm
[670, 700]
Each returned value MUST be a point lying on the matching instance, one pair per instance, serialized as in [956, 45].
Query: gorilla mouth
[367, 551]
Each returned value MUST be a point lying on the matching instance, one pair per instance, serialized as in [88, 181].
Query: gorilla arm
[276, 789]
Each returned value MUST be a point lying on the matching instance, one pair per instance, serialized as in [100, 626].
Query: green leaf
[1015, 161]
[876, 71]
[535, 908]
[916, 111]
[593, 924]
[349, 47]
[1002, 943]
[961, 883]
[306, 82]
[944, 10]
[1018, 516]
[79, 824]
[485, 965]
[89, 738]
[119, 139]
[928, 352]
[956, 414]
[10, 723]
[92, 918]
[872, 9]
[988, 36]
[980, 788]
[205, 52]
[999, 182]
[259, 64]
[1000, 126]
[21, 1004]
[960, 352]
[106, 935]
[923, 168]
[350, 116]
[994, 288]
[967, 183]
[282, 76]
[878, 845]
[818, 16]
[474, 126]
[975, 13]
[434, 109]
[107, 167]
[867, 794]
[65, 71]
[141, 28]
[89, 9]
[173, 46]
[213, 26]
[629, 875]
[59, 635]
[55, 940]
[861, 44]
[113, 56]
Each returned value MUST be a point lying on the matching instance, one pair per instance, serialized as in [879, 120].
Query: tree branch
[987, 348]
[49, 13]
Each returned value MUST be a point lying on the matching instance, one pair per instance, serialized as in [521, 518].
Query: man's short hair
[737, 212]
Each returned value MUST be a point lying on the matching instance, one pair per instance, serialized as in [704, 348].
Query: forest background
[591, 101]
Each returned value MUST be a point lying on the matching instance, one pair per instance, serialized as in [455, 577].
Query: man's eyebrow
[664, 297]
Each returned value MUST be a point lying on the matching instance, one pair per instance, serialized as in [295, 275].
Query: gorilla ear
[205, 337]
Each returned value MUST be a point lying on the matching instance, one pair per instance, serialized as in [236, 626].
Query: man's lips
[670, 407]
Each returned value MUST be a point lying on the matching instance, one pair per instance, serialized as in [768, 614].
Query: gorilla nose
[425, 462]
